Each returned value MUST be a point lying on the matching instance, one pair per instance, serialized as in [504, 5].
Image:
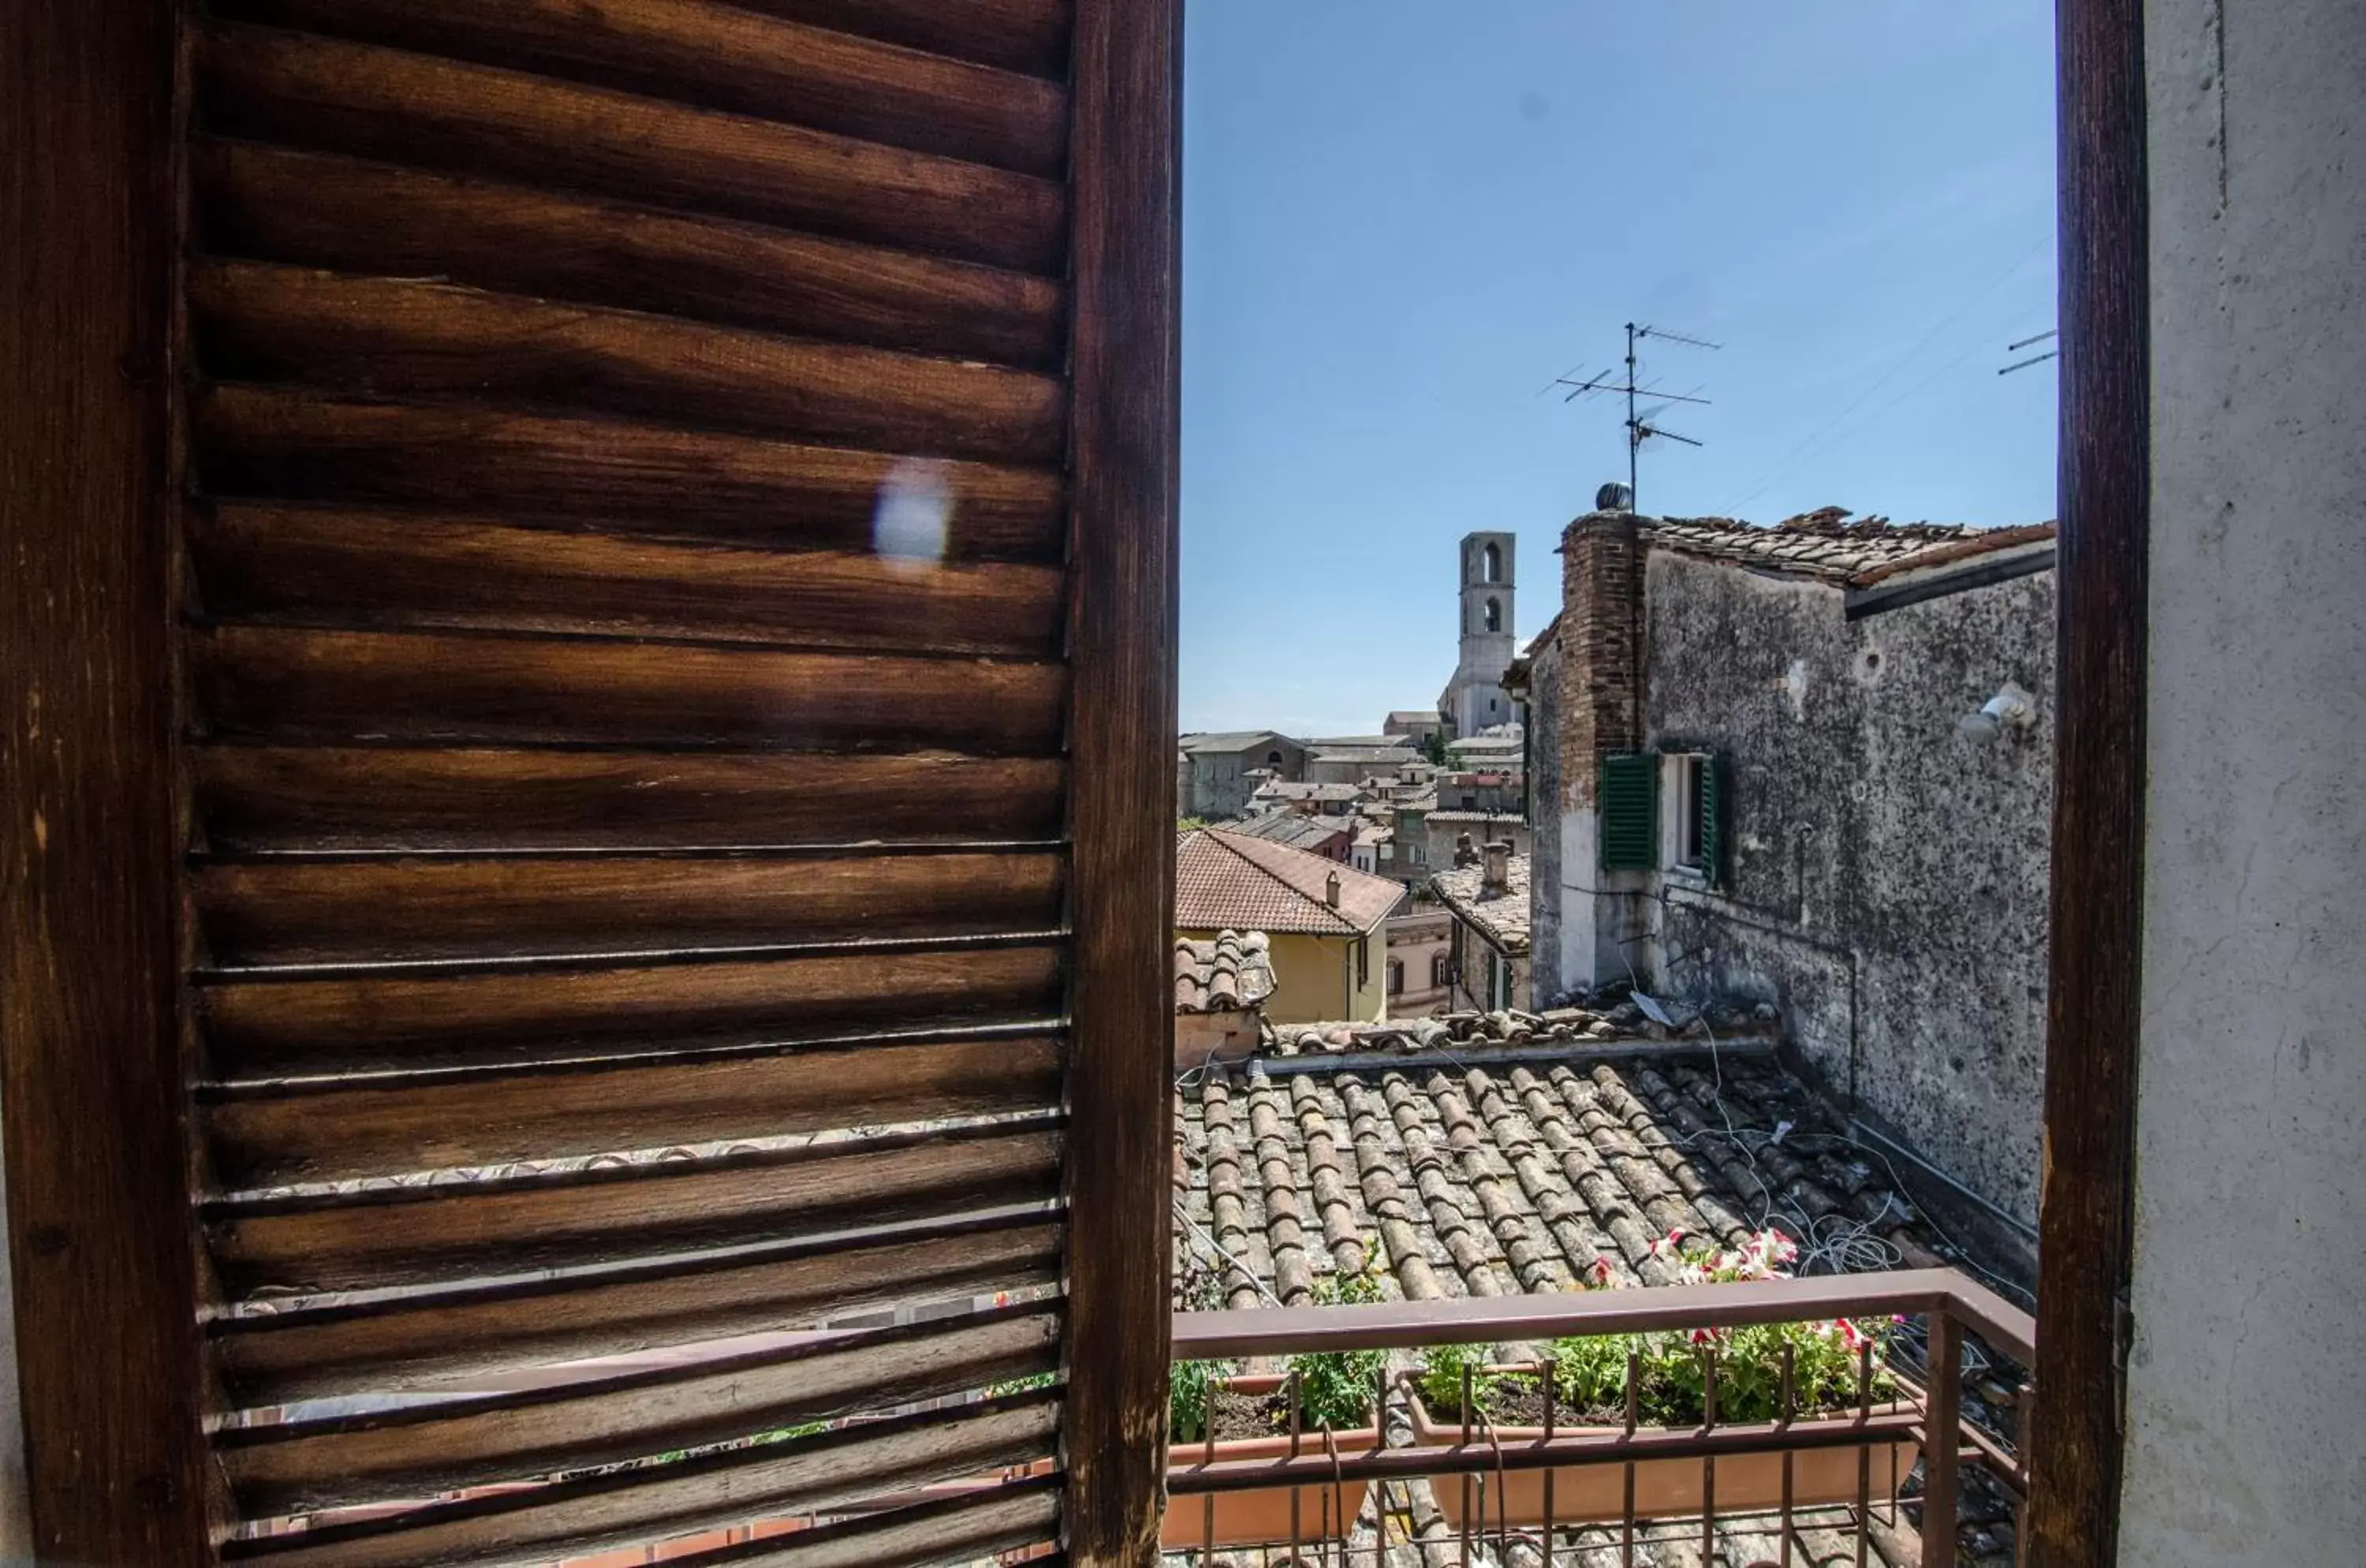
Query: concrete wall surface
[2247, 1389]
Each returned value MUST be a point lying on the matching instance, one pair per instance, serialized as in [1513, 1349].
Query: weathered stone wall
[1887, 879]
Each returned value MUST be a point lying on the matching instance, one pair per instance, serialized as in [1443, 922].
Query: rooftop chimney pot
[1498, 874]
[1331, 890]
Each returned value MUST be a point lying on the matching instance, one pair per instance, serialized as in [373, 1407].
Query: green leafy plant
[1442, 1371]
[1360, 1287]
[1672, 1368]
[1189, 824]
[1341, 1387]
[1336, 1388]
[1190, 1386]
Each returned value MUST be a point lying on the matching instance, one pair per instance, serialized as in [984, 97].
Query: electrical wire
[1815, 439]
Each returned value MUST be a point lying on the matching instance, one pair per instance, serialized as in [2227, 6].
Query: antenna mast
[1638, 424]
[2035, 359]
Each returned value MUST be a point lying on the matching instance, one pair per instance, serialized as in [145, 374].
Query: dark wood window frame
[89, 1033]
[2097, 919]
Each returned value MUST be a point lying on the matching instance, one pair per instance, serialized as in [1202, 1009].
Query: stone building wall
[1888, 880]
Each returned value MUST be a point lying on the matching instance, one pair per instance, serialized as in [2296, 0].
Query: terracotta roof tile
[1223, 878]
[1502, 914]
[1230, 972]
[1829, 545]
[1493, 1178]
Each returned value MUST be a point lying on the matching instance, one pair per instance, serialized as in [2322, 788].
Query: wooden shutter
[1630, 811]
[675, 507]
[1713, 835]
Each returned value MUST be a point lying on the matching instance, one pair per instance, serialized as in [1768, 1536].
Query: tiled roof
[1829, 546]
[1231, 740]
[1412, 715]
[1227, 973]
[1501, 915]
[1223, 878]
[1291, 789]
[1361, 752]
[1511, 818]
[1294, 829]
[1494, 1178]
[1387, 742]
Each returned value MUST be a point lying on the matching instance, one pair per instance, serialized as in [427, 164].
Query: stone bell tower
[1475, 699]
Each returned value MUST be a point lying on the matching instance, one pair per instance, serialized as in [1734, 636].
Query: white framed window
[1683, 805]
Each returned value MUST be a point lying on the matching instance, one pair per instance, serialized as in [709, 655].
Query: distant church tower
[1474, 699]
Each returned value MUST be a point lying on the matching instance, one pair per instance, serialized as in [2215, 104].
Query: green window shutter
[1630, 811]
[1712, 819]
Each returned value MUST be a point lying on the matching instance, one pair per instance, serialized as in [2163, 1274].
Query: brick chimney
[1601, 665]
[1497, 877]
[1331, 890]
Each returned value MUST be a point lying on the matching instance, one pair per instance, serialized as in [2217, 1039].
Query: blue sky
[1400, 218]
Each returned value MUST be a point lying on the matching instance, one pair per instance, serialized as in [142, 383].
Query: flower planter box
[1261, 1516]
[1665, 1488]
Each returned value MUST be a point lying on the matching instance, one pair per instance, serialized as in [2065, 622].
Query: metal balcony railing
[1567, 1494]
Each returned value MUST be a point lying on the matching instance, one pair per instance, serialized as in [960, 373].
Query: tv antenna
[2055, 353]
[1641, 423]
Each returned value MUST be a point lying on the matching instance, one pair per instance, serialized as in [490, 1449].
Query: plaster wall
[1887, 879]
[1315, 979]
[2244, 1391]
[1417, 941]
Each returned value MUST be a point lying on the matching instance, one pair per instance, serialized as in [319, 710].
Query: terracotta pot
[1665, 1488]
[1262, 1517]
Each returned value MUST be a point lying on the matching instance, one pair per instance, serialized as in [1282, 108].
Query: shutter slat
[799, 1476]
[330, 685]
[342, 799]
[408, 569]
[368, 101]
[320, 210]
[724, 57]
[349, 1238]
[605, 1417]
[288, 444]
[968, 1528]
[335, 1024]
[1019, 35]
[267, 1132]
[343, 912]
[557, 1331]
[258, 321]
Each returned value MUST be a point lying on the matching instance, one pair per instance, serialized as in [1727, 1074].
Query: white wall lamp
[2011, 709]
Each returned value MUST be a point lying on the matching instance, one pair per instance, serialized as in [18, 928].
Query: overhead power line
[1815, 443]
